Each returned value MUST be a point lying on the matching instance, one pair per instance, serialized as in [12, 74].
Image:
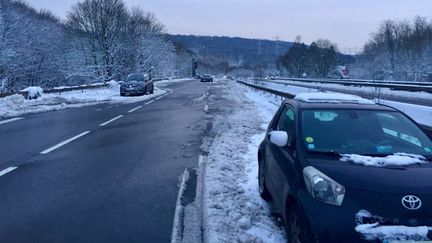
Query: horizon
[349, 24]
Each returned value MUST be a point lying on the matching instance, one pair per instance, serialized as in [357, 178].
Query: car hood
[410, 179]
[132, 83]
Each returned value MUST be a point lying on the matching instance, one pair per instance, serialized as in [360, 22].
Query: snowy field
[233, 209]
[422, 114]
[16, 105]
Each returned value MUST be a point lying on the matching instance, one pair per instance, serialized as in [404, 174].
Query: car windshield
[366, 132]
[135, 77]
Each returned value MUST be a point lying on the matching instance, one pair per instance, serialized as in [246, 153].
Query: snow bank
[234, 211]
[398, 159]
[33, 92]
[421, 114]
[16, 105]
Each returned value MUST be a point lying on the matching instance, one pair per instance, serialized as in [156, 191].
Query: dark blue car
[137, 84]
[342, 169]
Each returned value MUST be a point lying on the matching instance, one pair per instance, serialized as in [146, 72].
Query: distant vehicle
[332, 163]
[206, 78]
[137, 84]
[197, 76]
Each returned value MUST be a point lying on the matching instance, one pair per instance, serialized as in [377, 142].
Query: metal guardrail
[396, 85]
[426, 129]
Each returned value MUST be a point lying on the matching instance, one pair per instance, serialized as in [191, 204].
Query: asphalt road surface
[105, 173]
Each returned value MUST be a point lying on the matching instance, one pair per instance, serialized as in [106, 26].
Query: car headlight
[322, 187]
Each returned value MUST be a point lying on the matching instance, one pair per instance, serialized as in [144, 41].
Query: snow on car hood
[376, 231]
[398, 159]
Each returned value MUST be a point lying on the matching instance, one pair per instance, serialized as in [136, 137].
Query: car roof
[324, 101]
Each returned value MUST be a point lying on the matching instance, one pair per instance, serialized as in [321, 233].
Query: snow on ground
[398, 159]
[422, 114]
[17, 105]
[233, 209]
[364, 89]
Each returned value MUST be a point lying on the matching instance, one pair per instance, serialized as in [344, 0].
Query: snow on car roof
[322, 97]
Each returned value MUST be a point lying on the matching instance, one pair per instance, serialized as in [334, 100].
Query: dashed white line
[206, 108]
[112, 120]
[64, 143]
[11, 120]
[158, 98]
[134, 109]
[148, 103]
[4, 172]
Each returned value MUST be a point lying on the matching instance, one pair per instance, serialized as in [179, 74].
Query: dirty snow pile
[398, 159]
[17, 105]
[233, 209]
[385, 233]
[33, 92]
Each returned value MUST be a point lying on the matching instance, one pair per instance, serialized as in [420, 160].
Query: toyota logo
[411, 202]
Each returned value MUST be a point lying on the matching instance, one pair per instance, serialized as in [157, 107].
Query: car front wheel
[262, 186]
[297, 228]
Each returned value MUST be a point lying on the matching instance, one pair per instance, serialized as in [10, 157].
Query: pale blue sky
[346, 22]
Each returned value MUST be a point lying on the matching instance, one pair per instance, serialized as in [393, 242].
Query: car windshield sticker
[429, 150]
[311, 146]
[325, 115]
[309, 139]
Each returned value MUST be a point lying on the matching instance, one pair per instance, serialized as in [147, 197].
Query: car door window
[286, 121]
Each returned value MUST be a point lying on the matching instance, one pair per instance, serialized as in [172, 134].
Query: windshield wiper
[328, 152]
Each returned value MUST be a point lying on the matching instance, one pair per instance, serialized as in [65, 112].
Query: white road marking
[112, 120]
[4, 172]
[179, 208]
[148, 103]
[206, 108]
[160, 97]
[134, 109]
[65, 142]
[99, 109]
[11, 120]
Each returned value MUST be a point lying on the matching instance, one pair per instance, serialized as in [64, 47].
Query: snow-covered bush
[113, 85]
[33, 92]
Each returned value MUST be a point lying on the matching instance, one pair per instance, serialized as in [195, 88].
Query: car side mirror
[279, 138]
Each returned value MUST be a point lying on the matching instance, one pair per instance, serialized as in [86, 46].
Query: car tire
[121, 94]
[297, 228]
[262, 186]
[152, 91]
[145, 91]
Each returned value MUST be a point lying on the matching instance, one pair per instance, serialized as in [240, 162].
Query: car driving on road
[137, 84]
[339, 168]
[206, 78]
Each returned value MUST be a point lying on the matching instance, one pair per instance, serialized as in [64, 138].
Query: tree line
[99, 40]
[399, 50]
[316, 60]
